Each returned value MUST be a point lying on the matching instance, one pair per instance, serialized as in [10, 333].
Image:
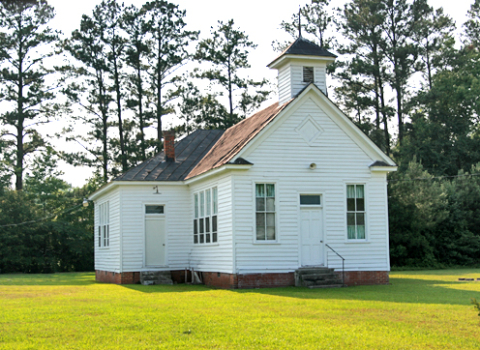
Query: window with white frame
[265, 212]
[103, 233]
[205, 230]
[356, 211]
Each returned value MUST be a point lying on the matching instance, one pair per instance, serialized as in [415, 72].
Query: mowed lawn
[419, 310]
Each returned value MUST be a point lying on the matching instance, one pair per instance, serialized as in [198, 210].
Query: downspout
[121, 230]
[234, 238]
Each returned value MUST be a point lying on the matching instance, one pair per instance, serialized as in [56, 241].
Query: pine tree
[23, 31]
[227, 51]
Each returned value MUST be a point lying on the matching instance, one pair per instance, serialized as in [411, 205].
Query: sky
[259, 19]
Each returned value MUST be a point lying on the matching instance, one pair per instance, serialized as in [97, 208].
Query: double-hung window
[205, 229]
[356, 211]
[265, 212]
[103, 233]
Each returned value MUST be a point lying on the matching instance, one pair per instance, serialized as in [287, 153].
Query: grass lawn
[419, 310]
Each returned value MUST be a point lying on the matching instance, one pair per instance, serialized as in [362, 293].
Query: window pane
[214, 238]
[108, 235]
[202, 238]
[201, 227]
[260, 218]
[104, 235]
[202, 204]
[260, 204]
[270, 204]
[154, 209]
[350, 191]
[270, 190]
[207, 238]
[99, 236]
[195, 226]
[207, 224]
[214, 224]
[351, 219]
[309, 199]
[361, 219]
[360, 191]
[215, 200]
[260, 190]
[350, 204]
[351, 232]
[360, 204]
[360, 232]
[196, 206]
[195, 239]
[209, 203]
[271, 226]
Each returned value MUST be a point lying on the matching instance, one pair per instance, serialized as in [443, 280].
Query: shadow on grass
[401, 290]
[176, 288]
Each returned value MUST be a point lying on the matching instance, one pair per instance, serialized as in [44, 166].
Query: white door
[311, 228]
[155, 240]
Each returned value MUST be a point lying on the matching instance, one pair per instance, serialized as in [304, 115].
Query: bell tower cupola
[301, 64]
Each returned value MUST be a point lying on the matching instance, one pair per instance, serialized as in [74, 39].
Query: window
[154, 209]
[356, 211]
[310, 199]
[103, 232]
[265, 212]
[308, 74]
[205, 221]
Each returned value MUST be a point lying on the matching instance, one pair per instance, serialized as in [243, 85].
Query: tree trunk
[230, 92]
[140, 111]
[159, 97]
[20, 128]
[119, 110]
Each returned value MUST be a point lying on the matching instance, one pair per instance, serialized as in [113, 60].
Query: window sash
[205, 216]
[265, 216]
[356, 225]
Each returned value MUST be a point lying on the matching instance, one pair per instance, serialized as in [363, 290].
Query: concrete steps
[148, 278]
[317, 277]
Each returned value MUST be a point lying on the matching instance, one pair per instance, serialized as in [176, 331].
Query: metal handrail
[343, 263]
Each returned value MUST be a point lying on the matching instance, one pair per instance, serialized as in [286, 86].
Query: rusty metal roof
[235, 138]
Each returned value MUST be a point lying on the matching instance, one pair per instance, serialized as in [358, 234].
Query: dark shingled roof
[380, 163]
[188, 152]
[302, 46]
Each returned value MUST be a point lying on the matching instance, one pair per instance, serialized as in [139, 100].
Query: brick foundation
[117, 278]
[256, 280]
[364, 278]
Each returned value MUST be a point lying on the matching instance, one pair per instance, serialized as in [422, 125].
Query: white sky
[260, 19]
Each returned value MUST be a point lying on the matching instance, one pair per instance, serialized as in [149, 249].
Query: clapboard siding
[108, 258]
[283, 157]
[290, 79]
[215, 257]
[178, 205]
[284, 84]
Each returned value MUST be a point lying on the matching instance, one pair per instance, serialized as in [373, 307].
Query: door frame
[144, 240]
[311, 207]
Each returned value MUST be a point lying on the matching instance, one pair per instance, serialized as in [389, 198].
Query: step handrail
[343, 262]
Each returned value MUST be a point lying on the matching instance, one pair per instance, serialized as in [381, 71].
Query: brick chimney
[169, 145]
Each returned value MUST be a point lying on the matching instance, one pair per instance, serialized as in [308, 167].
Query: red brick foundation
[364, 278]
[117, 278]
[256, 280]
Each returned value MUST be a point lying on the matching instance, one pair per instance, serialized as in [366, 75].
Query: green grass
[419, 310]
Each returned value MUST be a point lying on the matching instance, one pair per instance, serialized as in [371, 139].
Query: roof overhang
[216, 171]
[383, 168]
[282, 60]
[114, 184]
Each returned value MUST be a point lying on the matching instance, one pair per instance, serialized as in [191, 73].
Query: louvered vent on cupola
[302, 63]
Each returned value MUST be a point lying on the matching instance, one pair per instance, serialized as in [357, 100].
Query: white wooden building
[249, 206]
